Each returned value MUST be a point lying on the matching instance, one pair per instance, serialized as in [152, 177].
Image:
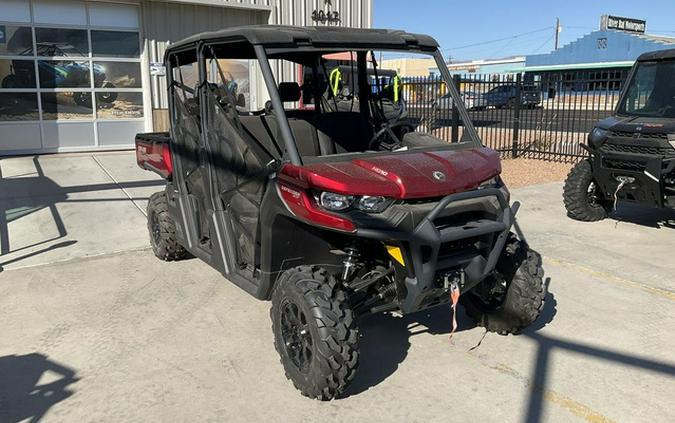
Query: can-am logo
[439, 176]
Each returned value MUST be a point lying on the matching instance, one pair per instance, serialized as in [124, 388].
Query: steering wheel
[387, 128]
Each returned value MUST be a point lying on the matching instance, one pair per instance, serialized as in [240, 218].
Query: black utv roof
[316, 36]
[657, 55]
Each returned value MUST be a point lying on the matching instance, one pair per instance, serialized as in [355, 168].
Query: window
[118, 74]
[234, 79]
[17, 73]
[18, 106]
[119, 105]
[115, 44]
[16, 40]
[66, 105]
[651, 91]
[56, 42]
[64, 74]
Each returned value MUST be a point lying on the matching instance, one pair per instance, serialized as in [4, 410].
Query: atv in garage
[331, 214]
[631, 154]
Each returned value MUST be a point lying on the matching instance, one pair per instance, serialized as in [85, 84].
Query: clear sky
[521, 26]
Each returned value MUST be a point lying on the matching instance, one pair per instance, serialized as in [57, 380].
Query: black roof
[317, 36]
[657, 55]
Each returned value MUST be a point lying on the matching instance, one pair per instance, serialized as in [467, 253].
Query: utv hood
[400, 175]
[638, 124]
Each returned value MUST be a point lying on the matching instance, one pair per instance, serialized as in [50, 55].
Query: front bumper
[430, 253]
[647, 170]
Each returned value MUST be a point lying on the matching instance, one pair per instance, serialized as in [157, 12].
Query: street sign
[623, 24]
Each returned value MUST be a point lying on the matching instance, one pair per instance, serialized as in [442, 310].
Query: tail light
[154, 156]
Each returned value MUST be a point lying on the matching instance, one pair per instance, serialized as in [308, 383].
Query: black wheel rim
[155, 228]
[592, 194]
[490, 295]
[296, 336]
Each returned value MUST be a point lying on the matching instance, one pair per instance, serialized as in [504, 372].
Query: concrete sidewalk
[59, 207]
[126, 337]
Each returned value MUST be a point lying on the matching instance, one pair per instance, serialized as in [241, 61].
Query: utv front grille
[638, 149]
[624, 165]
[639, 135]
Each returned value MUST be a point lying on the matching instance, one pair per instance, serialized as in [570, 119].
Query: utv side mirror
[551, 93]
[241, 100]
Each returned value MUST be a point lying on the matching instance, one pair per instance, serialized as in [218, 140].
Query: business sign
[623, 24]
[3, 35]
[327, 16]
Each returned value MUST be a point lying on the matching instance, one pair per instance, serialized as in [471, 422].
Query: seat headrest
[289, 91]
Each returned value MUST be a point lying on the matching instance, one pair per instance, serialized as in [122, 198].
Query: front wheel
[512, 298]
[315, 332]
[581, 195]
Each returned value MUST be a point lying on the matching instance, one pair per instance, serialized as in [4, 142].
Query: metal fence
[542, 118]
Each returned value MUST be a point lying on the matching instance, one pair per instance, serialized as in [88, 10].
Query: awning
[574, 66]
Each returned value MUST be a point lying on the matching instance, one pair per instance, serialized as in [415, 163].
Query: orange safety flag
[454, 298]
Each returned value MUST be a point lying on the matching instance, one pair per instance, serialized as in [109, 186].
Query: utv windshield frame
[203, 45]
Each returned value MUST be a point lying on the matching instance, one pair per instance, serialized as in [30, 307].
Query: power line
[543, 44]
[497, 40]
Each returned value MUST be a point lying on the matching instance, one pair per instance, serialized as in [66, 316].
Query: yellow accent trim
[334, 78]
[397, 81]
[396, 253]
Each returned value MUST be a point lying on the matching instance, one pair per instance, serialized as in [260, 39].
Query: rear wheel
[512, 298]
[581, 195]
[315, 332]
[163, 230]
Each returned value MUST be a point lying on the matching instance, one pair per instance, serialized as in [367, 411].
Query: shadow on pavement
[30, 194]
[644, 216]
[30, 384]
[385, 339]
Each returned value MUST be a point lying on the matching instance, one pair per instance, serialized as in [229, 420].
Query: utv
[331, 214]
[632, 154]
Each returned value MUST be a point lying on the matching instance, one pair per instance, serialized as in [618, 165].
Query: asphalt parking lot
[94, 328]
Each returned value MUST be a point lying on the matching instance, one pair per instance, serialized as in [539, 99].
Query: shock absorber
[350, 263]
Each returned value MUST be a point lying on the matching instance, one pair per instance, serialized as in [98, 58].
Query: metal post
[557, 32]
[278, 106]
[456, 80]
[516, 115]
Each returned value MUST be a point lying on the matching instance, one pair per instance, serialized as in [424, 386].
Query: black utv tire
[520, 267]
[162, 230]
[580, 194]
[315, 332]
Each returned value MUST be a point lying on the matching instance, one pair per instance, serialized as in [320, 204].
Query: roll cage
[266, 43]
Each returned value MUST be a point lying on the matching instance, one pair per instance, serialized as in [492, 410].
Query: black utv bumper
[434, 251]
[646, 174]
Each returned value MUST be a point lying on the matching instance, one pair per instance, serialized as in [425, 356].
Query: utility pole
[557, 32]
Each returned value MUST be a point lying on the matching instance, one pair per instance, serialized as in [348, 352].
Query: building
[81, 75]
[409, 67]
[483, 66]
[599, 60]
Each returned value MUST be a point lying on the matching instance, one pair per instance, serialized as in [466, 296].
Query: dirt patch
[523, 172]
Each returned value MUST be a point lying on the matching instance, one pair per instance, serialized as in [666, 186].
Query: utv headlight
[596, 137]
[373, 204]
[335, 202]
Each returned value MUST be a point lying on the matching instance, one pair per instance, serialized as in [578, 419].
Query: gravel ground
[523, 172]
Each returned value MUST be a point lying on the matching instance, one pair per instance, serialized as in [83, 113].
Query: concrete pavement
[59, 207]
[125, 337]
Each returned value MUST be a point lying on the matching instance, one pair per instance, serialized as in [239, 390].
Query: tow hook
[623, 180]
[453, 280]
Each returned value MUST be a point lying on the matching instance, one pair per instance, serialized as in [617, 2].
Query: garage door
[70, 75]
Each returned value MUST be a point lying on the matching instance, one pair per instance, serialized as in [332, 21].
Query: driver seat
[342, 132]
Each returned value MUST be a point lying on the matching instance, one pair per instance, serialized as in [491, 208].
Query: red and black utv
[332, 214]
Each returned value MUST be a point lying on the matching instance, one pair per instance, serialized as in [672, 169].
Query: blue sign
[2, 34]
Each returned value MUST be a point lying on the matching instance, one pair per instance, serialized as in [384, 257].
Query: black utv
[331, 214]
[631, 154]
